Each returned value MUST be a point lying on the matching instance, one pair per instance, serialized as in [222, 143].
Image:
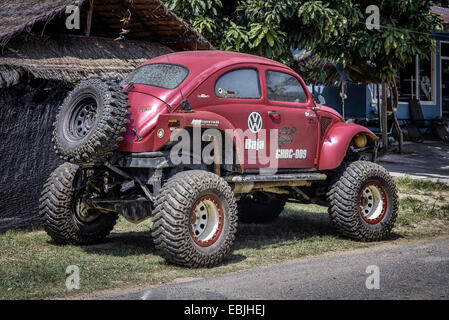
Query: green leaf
[270, 39]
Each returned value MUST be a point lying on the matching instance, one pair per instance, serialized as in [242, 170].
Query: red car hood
[330, 110]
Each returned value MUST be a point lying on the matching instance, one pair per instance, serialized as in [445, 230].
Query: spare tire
[91, 121]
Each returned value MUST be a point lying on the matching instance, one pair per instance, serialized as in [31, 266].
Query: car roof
[199, 61]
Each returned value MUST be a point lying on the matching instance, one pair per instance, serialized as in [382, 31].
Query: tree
[443, 3]
[343, 31]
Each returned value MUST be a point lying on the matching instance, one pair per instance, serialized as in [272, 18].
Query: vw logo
[255, 122]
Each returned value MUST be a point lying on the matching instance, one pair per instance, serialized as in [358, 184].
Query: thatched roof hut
[34, 38]
[71, 58]
[150, 20]
[40, 59]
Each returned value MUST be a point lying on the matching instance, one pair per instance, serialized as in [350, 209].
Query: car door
[290, 110]
[235, 92]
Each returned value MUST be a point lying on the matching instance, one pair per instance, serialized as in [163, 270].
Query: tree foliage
[335, 30]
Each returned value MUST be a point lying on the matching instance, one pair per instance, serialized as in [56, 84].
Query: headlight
[360, 141]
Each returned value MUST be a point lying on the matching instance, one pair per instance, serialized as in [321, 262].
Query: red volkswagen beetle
[199, 140]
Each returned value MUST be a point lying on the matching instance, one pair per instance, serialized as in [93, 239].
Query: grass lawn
[32, 267]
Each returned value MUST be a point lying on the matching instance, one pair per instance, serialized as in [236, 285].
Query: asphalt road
[412, 272]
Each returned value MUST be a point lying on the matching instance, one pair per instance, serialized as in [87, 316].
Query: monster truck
[196, 141]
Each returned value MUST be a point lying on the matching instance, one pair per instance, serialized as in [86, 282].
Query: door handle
[274, 114]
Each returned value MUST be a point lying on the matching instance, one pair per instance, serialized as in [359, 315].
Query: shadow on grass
[129, 244]
[292, 224]
[124, 244]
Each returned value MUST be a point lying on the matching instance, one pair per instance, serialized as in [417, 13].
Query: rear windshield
[162, 75]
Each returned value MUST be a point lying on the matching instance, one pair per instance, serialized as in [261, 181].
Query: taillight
[174, 123]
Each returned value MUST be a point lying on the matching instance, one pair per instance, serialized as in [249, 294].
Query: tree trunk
[394, 105]
[384, 117]
[342, 96]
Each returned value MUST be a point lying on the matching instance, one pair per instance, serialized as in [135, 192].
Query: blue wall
[359, 103]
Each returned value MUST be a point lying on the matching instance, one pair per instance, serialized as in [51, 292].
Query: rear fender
[336, 143]
[203, 119]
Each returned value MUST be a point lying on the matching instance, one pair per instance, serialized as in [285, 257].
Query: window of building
[444, 49]
[425, 80]
[284, 87]
[407, 81]
[417, 79]
[239, 84]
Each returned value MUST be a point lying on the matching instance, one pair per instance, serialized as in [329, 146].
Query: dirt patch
[431, 227]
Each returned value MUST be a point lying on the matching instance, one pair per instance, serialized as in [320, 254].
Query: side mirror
[321, 99]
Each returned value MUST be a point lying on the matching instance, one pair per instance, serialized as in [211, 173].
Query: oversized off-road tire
[91, 121]
[363, 202]
[195, 219]
[65, 219]
[259, 209]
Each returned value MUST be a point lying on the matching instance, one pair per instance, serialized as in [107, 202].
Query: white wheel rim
[206, 220]
[372, 203]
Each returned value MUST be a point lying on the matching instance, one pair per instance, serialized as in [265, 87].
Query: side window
[239, 84]
[284, 87]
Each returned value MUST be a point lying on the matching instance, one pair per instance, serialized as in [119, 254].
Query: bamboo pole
[89, 18]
